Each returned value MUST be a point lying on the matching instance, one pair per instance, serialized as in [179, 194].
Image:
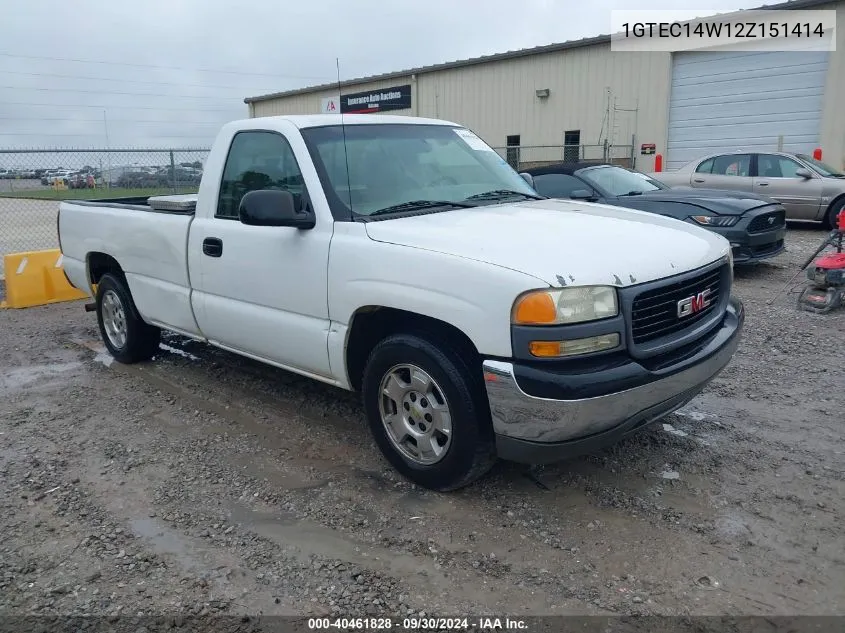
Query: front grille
[655, 312]
[761, 222]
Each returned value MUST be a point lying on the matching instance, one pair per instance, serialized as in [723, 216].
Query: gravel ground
[203, 483]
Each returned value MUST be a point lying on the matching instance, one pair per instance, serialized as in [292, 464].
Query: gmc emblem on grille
[694, 304]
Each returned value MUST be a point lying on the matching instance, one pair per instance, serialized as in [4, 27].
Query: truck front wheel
[128, 338]
[427, 412]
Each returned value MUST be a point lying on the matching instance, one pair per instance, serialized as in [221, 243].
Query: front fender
[475, 297]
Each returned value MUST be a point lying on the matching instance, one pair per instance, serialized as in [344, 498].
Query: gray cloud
[154, 81]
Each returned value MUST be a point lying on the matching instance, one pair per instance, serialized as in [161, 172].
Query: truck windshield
[405, 166]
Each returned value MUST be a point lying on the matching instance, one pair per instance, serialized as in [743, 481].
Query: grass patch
[91, 194]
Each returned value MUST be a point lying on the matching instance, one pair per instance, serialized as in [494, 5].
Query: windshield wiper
[498, 194]
[631, 193]
[414, 205]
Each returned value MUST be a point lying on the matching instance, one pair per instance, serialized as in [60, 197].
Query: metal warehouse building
[579, 99]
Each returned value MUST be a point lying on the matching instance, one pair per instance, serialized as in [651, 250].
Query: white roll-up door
[725, 101]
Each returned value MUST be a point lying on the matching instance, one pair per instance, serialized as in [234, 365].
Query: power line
[100, 120]
[115, 92]
[115, 107]
[200, 70]
[154, 83]
[89, 134]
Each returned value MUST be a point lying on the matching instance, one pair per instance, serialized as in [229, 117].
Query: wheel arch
[828, 219]
[372, 323]
[98, 264]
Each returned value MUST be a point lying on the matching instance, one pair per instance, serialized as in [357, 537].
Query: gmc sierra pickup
[405, 259]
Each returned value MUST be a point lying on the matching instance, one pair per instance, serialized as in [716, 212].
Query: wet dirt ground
[204, 483]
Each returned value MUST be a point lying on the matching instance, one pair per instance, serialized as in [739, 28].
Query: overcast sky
[165, 73]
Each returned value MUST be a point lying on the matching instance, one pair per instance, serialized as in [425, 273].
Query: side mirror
[528, 178]
[803, 173]
[272, 207]
[582, 194]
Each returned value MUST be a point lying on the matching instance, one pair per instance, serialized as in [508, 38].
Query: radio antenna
[343, 129]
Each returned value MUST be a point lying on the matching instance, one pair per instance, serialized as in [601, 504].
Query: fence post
[172, 172]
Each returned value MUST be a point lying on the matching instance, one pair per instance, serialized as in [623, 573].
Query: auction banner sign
[380, 100]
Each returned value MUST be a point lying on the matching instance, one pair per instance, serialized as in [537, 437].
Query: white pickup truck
[405, 259]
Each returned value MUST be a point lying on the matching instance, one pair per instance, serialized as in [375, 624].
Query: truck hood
[718, 201]
[561, 242]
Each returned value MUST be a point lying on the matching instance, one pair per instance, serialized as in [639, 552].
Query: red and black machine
[827, 274]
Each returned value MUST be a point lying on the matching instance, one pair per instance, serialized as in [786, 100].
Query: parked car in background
[61, 176]
[754, 225]
[807, 188]
[140, 179]
[179, 176]
[81, 180]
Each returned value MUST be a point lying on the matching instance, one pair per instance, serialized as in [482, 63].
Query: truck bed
[149, 241]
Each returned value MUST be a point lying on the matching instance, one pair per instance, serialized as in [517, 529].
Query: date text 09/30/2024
[416, 624]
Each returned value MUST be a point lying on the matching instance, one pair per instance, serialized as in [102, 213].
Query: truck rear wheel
[127, 337]
[427, 412]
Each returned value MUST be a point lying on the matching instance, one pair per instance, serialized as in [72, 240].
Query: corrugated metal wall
[833, 119]
[498, 99]
[729, 100]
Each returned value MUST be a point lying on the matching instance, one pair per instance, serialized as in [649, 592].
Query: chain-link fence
[33, 182]
[526, 157]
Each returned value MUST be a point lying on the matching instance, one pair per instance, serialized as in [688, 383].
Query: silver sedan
[808, 189]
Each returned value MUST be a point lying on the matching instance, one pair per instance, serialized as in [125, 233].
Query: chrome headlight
[565, 305]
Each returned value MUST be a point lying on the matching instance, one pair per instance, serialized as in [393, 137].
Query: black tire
[833, 213]
[142, 340]
[471, 453]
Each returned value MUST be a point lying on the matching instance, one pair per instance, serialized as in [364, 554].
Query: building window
[571, 146]
[513, 151]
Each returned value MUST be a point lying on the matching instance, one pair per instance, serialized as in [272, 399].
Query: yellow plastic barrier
[36, 278]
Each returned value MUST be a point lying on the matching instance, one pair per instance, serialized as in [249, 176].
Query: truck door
[258, 290]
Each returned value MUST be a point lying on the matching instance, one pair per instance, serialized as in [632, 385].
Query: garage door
[724, 101]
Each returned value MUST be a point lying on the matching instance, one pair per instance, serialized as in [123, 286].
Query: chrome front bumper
[540, 430]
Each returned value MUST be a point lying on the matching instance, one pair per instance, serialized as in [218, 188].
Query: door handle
[698, 179]
[763, 184]
[212, 246]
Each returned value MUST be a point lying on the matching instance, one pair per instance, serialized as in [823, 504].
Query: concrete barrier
[36, 278]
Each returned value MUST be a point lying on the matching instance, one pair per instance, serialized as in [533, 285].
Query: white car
[404, 259]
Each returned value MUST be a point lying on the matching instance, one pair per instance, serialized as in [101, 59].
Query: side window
[558, 185]
[732, 165]
[257, 160]
[706, 167]
[771, 166]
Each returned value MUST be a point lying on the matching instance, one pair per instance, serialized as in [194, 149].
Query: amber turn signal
[537, 308]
